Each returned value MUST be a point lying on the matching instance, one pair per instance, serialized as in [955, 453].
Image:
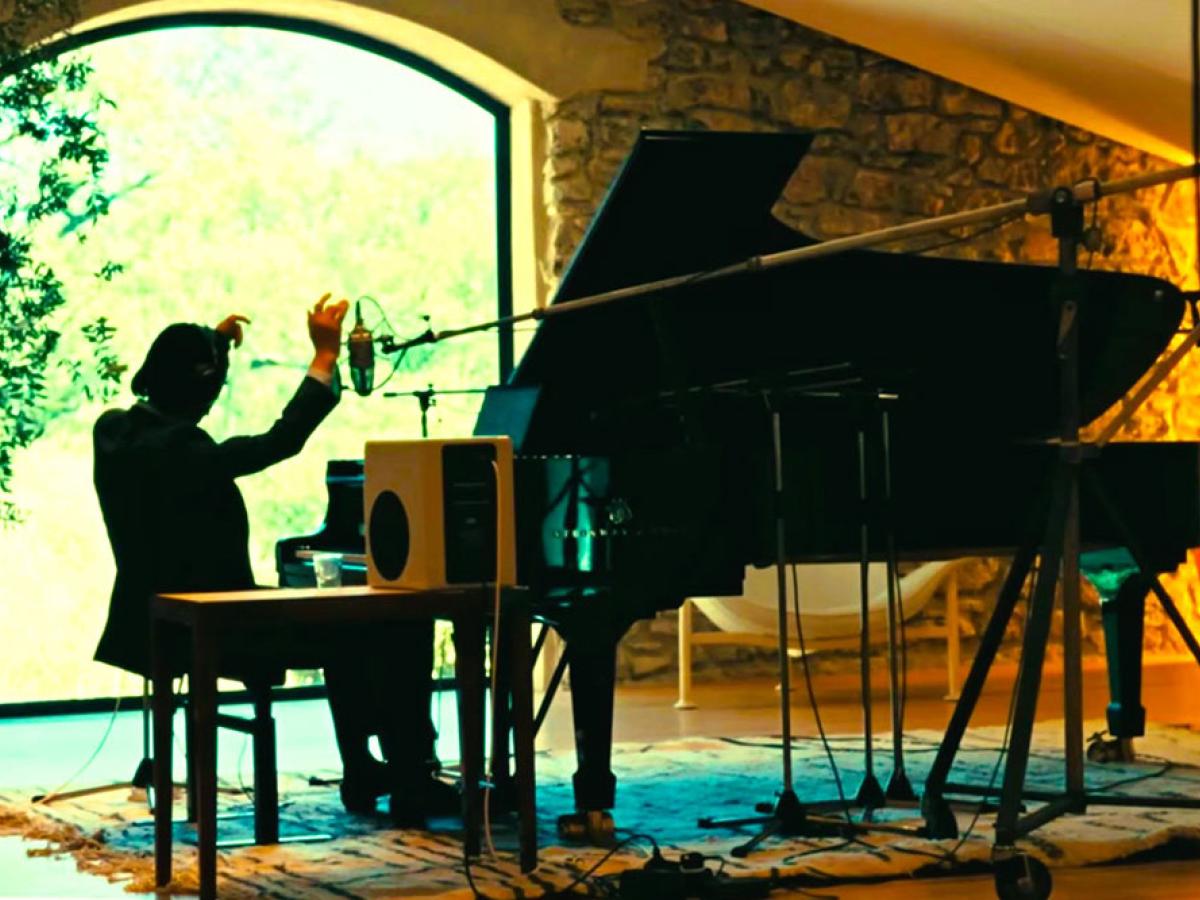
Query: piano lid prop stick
[1161, 370]
[1035, 204]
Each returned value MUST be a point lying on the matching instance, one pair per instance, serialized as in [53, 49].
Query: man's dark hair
[184, 370]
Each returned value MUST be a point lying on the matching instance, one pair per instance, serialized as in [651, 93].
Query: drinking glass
[328, 569]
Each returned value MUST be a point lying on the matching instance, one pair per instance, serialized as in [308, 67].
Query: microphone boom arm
[1038, 203]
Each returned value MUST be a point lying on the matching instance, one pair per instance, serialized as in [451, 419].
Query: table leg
[468, 674]
[164, 709]
[204, 721]
[520, 669]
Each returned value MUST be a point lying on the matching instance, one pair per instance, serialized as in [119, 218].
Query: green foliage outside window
[53, 157]
[250, 172]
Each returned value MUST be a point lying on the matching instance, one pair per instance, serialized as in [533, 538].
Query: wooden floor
[646, 713]
[1159, 881]
[1171, 694]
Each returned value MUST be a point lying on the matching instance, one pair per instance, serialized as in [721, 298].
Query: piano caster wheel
[593, 827]
[1114, 750]
[1021, 877]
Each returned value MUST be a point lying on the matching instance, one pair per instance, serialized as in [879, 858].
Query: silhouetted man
[177, 522]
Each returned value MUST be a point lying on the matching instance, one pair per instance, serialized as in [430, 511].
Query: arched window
[256, 164]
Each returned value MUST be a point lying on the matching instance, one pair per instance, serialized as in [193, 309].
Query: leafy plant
[53, 156]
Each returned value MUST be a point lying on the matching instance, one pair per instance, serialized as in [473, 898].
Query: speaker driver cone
[389, 533]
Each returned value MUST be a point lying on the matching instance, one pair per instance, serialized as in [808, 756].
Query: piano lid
[970, 343]
[683, 202]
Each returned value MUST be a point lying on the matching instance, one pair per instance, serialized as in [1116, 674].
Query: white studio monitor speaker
[430, 509]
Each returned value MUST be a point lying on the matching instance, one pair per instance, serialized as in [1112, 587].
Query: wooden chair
[260, 726]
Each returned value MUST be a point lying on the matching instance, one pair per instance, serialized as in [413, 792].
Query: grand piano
[645, 468]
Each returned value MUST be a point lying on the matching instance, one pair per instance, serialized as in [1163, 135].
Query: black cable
[978, 233]
[718, 859]
[475, 892]
[798, 890]
[894, 581]
[395, 365]
[927, 746]
[247, 792]
[812, 696]
[1003, 751]
[1133, 779]
[50, 796]
[841, 845]
[791, 881]
[854, 741]
[564, 892]
[950, 857]
[583, 877]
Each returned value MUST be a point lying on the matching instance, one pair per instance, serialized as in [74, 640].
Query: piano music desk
[212, 619]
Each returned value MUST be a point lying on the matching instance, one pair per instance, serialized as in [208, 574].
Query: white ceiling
[1119, 68]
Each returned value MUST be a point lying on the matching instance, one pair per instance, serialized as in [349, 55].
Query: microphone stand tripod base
[788, 819]
[900, 789]
[143, 777]
[940, 821]
[870, 794]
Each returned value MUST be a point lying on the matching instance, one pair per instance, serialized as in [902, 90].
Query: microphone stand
[788, 817]
[427, 398]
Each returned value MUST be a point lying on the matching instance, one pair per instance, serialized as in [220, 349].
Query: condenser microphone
[362, 355]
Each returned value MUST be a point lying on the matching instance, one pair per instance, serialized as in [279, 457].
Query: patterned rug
[662, 790]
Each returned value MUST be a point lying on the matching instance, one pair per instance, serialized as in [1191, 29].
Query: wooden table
[216, 620]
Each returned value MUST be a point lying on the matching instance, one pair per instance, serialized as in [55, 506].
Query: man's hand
[231, 328]
[325, 331]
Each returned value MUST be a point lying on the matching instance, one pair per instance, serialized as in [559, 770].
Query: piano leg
[591, 646]
[1123, 617]
[593, 678]
[1133, 545]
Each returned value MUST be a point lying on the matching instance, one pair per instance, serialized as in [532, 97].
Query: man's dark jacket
[175, 517]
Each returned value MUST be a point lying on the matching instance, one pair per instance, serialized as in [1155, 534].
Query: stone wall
[893, 144]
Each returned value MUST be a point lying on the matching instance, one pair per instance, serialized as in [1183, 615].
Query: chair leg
[685, 657]
[189, 744]
[266, 779]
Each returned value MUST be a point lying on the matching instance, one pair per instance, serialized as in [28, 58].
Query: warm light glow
[1172, 412]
